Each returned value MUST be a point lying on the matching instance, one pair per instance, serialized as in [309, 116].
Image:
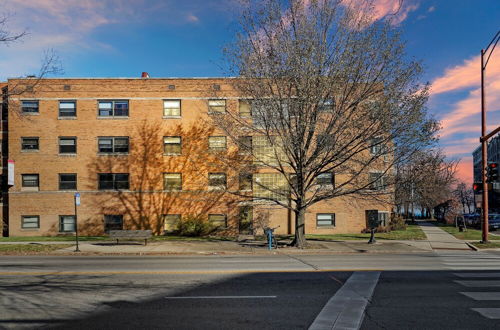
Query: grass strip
[30, 248]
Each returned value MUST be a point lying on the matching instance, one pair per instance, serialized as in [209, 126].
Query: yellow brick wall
[144, 122]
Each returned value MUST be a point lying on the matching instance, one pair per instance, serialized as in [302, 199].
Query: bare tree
[50, 62]
[465, 195]
[425, 180]
[331, 96]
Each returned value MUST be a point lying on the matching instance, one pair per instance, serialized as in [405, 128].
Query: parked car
[494, 221]
[472, 220]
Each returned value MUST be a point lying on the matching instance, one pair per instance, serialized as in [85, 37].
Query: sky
[172, 38]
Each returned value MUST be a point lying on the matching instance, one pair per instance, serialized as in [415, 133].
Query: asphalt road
[447, 290]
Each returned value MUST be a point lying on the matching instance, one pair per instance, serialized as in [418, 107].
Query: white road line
[482, 295]
[222, 297]
[479, 284]
[476, 275]
[491, 313]
[345, 310]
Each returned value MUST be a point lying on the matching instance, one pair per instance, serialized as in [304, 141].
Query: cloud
[465, 170]
[431, 9]
[192, 18]
[395, 11]
[466, 75]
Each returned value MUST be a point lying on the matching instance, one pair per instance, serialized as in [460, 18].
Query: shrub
[194, 227]
[397, 222]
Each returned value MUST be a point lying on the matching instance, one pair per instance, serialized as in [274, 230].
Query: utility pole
[484, 137]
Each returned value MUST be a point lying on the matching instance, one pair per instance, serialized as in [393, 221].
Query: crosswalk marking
[482, 295]
[491, 313]
[479, 283]
[476, 275]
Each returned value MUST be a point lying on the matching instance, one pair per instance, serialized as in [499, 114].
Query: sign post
[77, 203]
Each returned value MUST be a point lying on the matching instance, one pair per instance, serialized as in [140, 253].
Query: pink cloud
[464, 170]
[395, 11]
[466, 111]
[192, 18]
[466, 75]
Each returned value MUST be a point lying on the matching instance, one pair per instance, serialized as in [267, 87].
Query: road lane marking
[222, 297]
[490, 313]
[346, 309]
[482, 295]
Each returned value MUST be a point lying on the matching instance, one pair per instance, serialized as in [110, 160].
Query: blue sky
[168, 38]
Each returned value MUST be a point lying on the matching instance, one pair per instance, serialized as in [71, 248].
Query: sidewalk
[232, 247]
[438, 239]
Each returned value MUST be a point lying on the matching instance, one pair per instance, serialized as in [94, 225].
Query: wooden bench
[130, 235]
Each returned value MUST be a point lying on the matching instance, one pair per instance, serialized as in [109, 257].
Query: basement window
[325, 220]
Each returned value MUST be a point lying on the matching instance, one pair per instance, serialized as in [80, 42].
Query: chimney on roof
[145, 75]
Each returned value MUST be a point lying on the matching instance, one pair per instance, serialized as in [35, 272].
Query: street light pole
[484, 138]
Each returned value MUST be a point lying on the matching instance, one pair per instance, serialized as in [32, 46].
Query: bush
[397, 222]
[194, 227]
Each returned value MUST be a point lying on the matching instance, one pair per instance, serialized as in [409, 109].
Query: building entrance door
[246, 220]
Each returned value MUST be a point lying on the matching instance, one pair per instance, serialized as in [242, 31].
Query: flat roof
[137, 78]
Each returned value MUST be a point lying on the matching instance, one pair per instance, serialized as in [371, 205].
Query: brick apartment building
[142, 154]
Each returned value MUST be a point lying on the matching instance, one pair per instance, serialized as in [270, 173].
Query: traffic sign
[77, 199]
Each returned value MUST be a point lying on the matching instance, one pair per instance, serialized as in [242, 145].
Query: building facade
[142, 154]
[493, 157]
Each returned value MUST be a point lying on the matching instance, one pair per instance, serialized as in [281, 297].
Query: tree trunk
[300, 233]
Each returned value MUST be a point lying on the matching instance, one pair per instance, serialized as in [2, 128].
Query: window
[67, 181]
[383, 218]
[245, 109]
[67, 223]
[172, 181]
[29, 143]
[67, 109]
[29, 107]
[267, 150]
[170, 222]
[67, 145]
[270, 186]
[113, 222]
[30, 222]
[113, 181]
[30, 180]
[377, 181]
[245, 181]
[217, 143]
[324, 179]
[216, 106]
[217, 181]
[172, 145]
[245, 144]
[325, 220]
[326, 105]
[218, 220]
[113, 145]
[113, 108]
[377, 146]
[172, 108]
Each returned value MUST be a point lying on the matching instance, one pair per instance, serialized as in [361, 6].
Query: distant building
[493, 157]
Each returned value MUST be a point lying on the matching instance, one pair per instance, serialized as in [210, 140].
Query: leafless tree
[465, 195]
[331, 95]
[50, 62]
[425, 180]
